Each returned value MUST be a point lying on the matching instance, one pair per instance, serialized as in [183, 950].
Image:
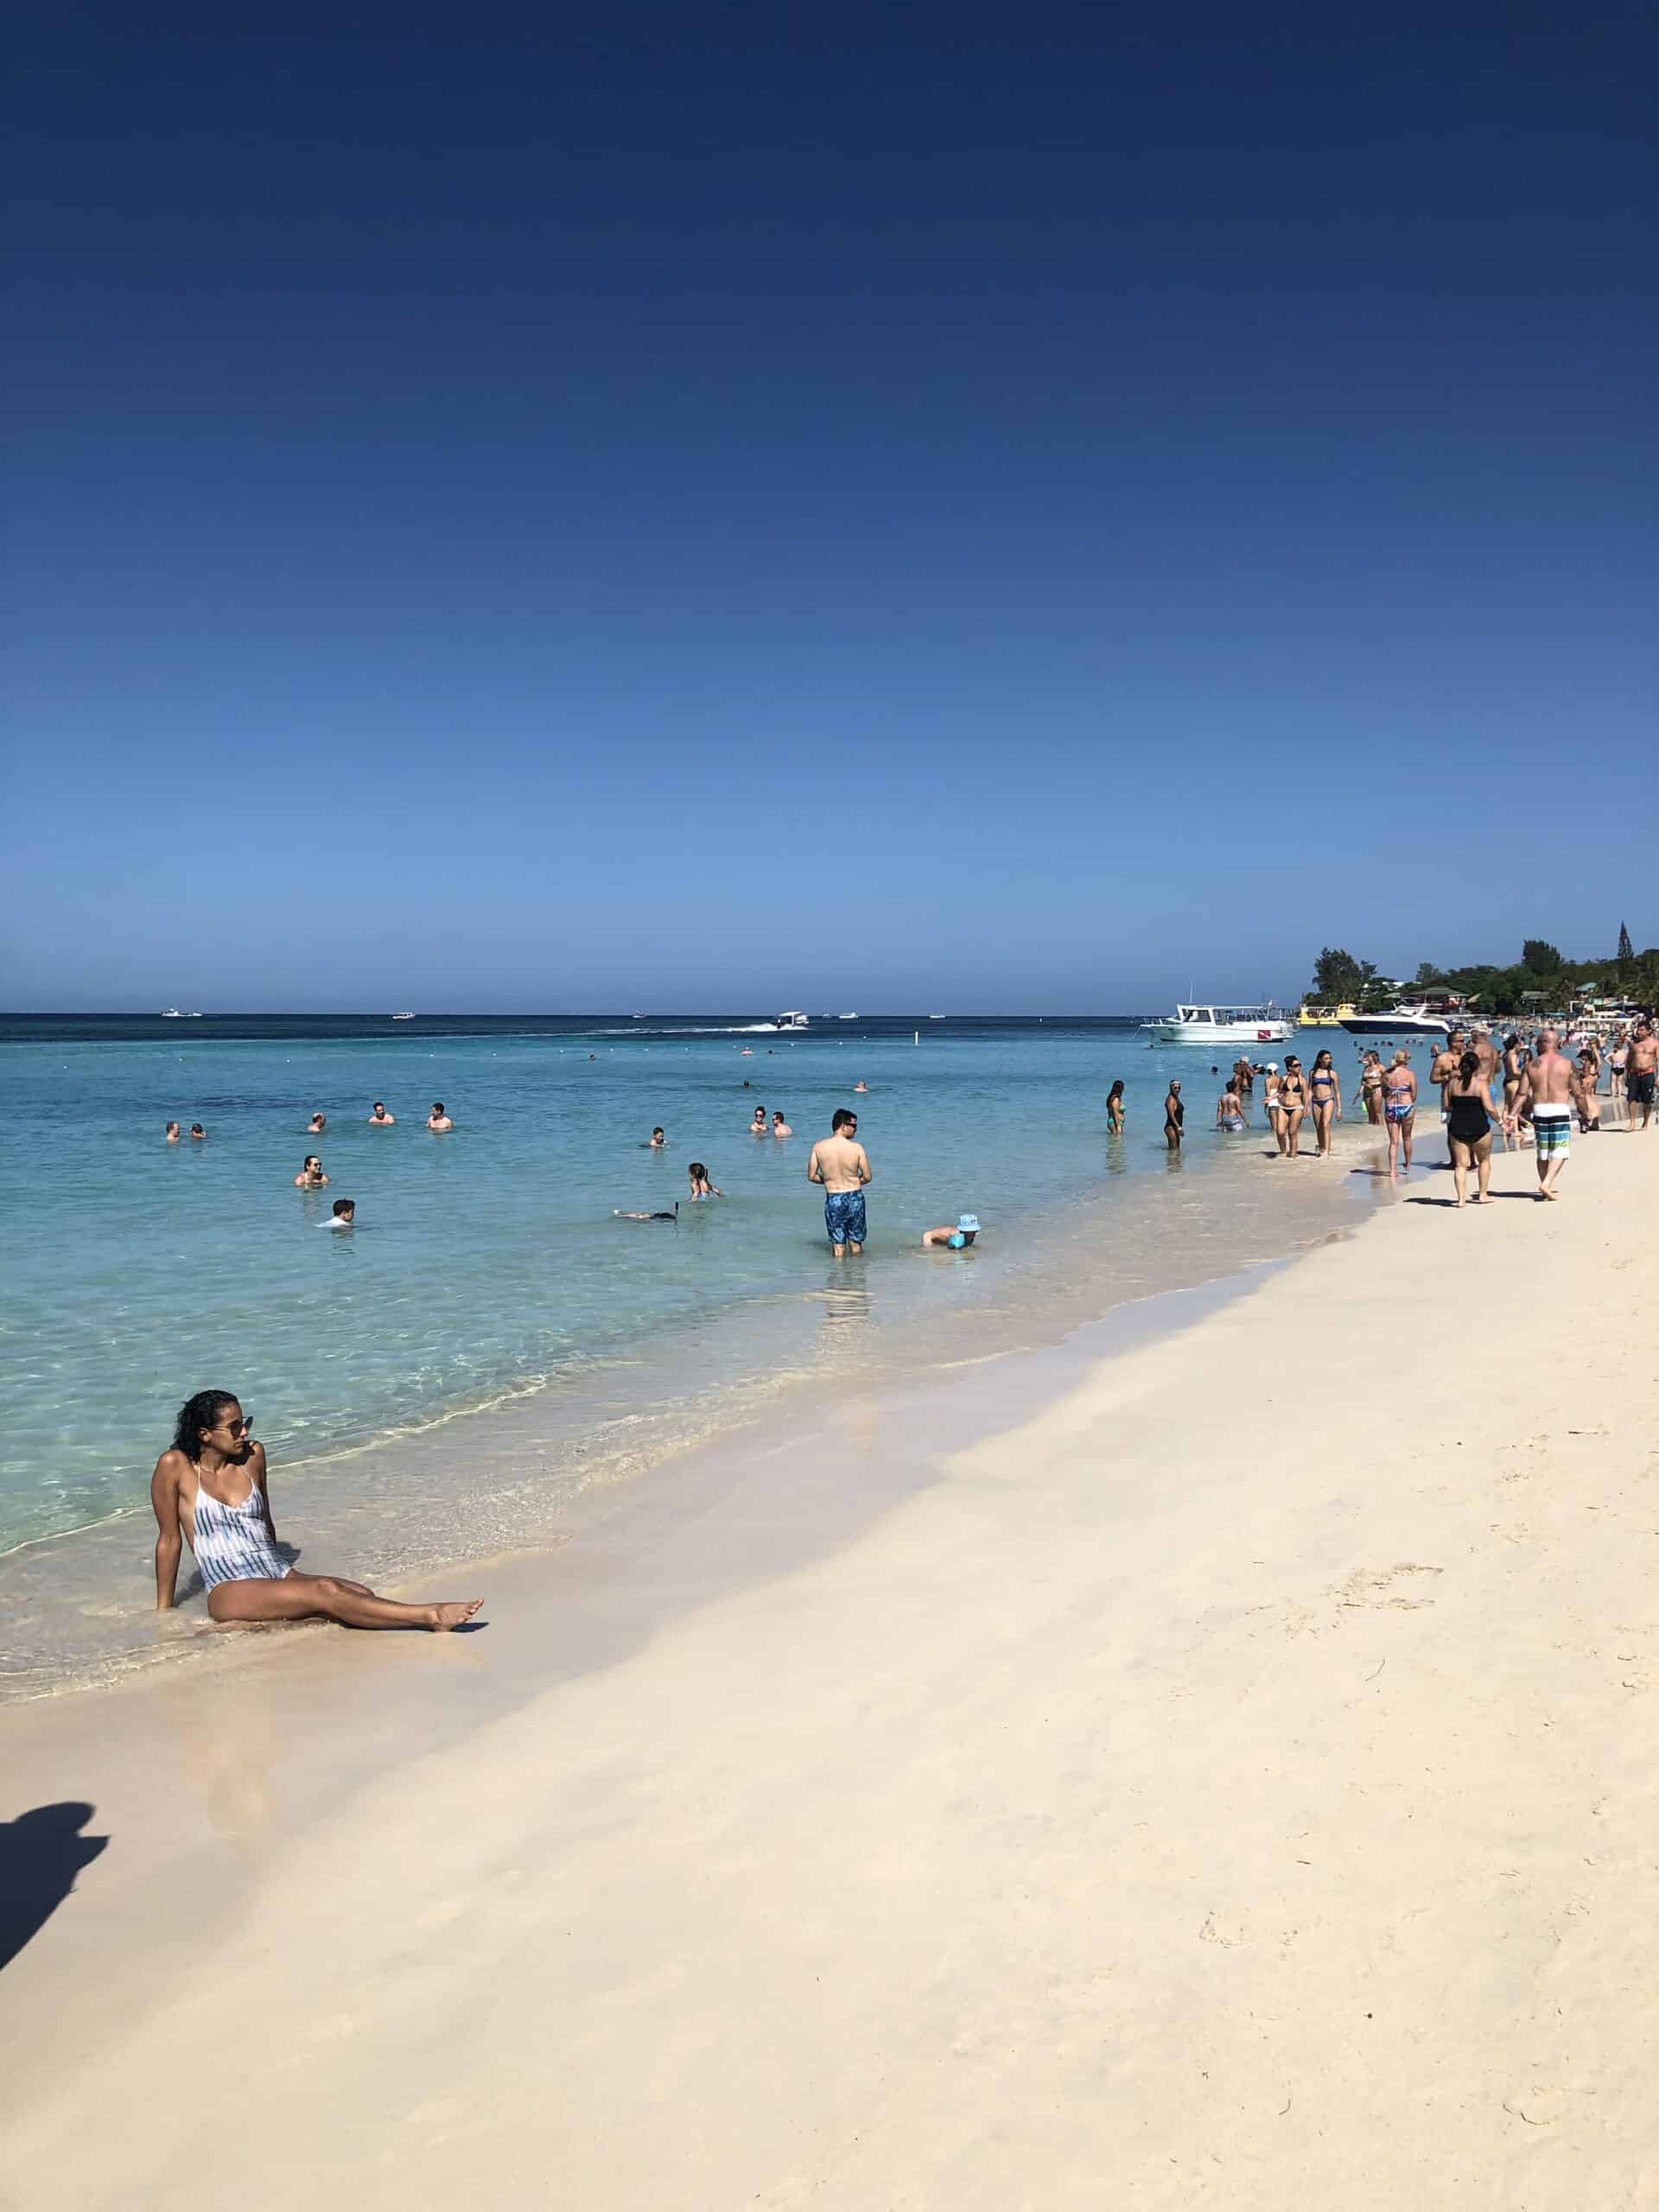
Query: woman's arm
[164, 1497]
[261, 1474]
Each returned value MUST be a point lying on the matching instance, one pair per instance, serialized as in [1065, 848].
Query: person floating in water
[438, 1121]
[955, 1239]
[656, 1140]
[625, 1213]
[700, 1187]
[310, 1177]
[211, 1490]
[380, 1119]
[316, 1125]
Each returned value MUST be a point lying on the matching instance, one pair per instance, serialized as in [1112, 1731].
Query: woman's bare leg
[326, 1596]
[1483, 1169]
[1459, 1166]
[1406, 1129]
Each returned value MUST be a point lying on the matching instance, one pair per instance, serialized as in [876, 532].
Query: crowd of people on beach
[211, 1488]
[1542, 1089]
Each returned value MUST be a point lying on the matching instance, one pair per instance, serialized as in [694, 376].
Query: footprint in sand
[1373, 1586]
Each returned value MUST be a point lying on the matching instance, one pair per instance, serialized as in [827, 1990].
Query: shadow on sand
[40, 1853]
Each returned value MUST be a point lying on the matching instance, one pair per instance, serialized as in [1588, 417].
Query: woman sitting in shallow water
[211, 1488]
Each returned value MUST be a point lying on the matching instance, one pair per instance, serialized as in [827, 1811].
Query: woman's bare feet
[452, 1616]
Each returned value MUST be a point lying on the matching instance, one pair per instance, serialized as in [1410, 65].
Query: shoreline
[552, 1456]
[1174, 1777]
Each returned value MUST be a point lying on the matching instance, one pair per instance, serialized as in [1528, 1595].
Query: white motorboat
[792, 1021]
[1261, 1024]
[1414, 1020]
[402, 1017]
[846, 1017]
[171, 1013]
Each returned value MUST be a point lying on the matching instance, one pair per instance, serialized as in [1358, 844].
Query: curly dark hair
[197, 1415]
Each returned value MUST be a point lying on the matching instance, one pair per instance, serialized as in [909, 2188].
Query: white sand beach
[1218, 1772]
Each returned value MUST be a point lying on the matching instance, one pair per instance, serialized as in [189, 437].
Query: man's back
[839, 1163]
[1551, 1076]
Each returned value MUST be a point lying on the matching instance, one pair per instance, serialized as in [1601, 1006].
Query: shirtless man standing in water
[1640, 1070]
[1553, 1086]
[1440, 1074]
[839, 1163]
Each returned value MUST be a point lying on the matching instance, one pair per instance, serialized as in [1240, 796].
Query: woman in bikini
[211, 1488]
[1370, 1088]
[1292, 1104]
[1327, 1100]
[1469, 1127]
[1270, 1105]
[1115, 1108]
[1515, 1066]
[1399, 1108]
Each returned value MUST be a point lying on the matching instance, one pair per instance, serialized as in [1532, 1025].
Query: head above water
[437, 1105]
[311, 1160]
[345, 1208]
[172, 1129]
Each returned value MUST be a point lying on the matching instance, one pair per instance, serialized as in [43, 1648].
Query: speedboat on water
[1413, 1021]
[402, 1017]
[792, 1021]
[1220, 1025]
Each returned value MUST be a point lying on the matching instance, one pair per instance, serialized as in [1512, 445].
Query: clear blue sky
[995, 508]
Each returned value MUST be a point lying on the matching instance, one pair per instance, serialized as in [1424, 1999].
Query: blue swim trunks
[843, 1217]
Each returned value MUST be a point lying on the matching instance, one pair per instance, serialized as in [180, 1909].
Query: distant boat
[402, 1017]
[1413, 1021]
[846, 1017]
[1220, 1025]
[792, 1021]
[936, 1017]
[171, 1013]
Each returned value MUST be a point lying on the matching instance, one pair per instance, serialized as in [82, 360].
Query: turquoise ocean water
[487, 1269]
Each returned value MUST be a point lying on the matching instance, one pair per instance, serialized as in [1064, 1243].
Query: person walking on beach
[1551, 1088]
[1326, 1088]
[1618, 1056]
[840, 1164]
[1271, 1105]
[1469, 1126]
[1590, 1111]
[211, 1490]
[1292, 1104]
[1640, 1070]
[1485, 1052]
[1114, 1109]
[1399, 1107]
[1370, 1087]
[1515, 1067]
[1441, 1070]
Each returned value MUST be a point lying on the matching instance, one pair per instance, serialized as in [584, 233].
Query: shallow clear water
[487, 1267]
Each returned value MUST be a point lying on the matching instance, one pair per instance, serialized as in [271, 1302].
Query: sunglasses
[240, 1427]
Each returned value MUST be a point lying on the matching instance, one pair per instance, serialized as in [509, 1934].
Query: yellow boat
[1322, 1017]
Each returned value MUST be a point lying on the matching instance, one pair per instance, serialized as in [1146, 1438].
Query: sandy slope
[1234, 1786]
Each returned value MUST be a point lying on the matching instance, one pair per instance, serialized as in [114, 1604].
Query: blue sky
[1007, 510]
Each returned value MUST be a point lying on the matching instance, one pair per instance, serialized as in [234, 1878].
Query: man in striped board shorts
[1552, 1086]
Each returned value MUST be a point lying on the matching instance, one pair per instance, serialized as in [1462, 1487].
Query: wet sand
[1211, 1765]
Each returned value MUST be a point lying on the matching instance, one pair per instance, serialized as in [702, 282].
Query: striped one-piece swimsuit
[233, 1542]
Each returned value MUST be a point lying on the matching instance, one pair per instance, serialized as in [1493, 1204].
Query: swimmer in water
[438, 1121]
[344, 1215]
[197, 1132]
[952, 1237]
[316, 1125]
[310, 1177]
[757, 1126]
[780, 1128]
[380, 1119]
[700, 1187]
[657, 1141]
[623, 1213]
[861, 1086]
[198, 1496]
[1229, 1110]
[172, 1133]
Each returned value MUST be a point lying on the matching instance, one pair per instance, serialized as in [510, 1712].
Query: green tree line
[1542, 971]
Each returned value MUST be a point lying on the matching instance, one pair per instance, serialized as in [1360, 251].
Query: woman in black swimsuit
[1469, 1128]
[1293, 1102]
[1327, 1100]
